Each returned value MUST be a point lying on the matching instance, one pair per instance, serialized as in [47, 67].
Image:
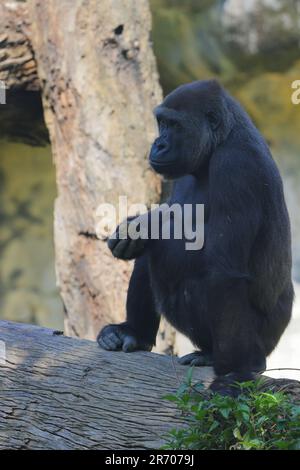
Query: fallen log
[17, 63]
[58, 392]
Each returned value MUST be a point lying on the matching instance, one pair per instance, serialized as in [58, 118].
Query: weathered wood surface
[17, 63]
[58, 392]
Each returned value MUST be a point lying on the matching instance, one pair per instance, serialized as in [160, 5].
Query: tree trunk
[17, 63]
[64, 393]
[99, 85]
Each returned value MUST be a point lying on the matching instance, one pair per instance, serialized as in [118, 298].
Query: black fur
[233, 298]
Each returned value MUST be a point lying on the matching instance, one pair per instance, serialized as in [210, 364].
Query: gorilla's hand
[124, 247]
[121, 337]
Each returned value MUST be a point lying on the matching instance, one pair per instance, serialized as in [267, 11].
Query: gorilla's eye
[163, 126]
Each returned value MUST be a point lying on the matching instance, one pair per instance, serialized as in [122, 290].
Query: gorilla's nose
[158, 150]
[161, 145]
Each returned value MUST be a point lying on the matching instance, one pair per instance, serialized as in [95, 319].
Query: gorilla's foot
[260, 366]
[120, 337]
[197, 358]
[229, 384]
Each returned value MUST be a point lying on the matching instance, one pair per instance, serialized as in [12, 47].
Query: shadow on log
[58, 392]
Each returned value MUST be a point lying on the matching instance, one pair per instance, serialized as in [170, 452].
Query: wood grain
[58, 392]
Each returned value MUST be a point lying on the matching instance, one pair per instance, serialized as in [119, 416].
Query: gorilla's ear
[213, 119]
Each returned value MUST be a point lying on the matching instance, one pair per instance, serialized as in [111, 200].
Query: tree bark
[58, 392]
[17, 63]
[99, 85]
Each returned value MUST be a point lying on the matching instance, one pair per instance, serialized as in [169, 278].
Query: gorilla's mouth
[161, 162]
[165, 168]
[162, 167]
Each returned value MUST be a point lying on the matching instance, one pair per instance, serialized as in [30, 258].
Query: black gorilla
[233, 298]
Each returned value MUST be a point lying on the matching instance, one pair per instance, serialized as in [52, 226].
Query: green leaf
[182, 389]
[214, 425]
[170, 397]
[225, 412]
[189, 375]
[237, 433]
[254, 420]
[252, 444]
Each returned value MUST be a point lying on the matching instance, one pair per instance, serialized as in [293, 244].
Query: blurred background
[252, 47]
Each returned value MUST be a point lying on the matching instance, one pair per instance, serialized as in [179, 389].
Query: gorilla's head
[192, 120]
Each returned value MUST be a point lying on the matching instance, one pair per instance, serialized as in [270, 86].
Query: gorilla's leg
[277, 319]
[197, 358]
[139, 330]
[259, 364]
[238, 350]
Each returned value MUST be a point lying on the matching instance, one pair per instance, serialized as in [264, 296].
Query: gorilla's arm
[140, 329]
[235, 219]
[235, 211]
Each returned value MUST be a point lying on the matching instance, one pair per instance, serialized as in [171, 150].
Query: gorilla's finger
[112, 242]
[198, 361]
[130, 249]
[103, 344]
[120, 249]
[130, 344]
[134, 249]
[111, 342]
[185, 360]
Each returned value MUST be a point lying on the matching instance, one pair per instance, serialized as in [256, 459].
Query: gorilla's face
[190, 127]
[167, 155]
[175, 152]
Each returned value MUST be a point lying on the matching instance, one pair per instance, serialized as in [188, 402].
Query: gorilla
[233, 297]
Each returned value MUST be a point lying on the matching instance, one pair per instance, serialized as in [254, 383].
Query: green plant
[256, 419]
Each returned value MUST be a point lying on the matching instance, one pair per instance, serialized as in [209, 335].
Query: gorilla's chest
[178, 250]
[172, 259]
[177, 261]
[191, 190]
